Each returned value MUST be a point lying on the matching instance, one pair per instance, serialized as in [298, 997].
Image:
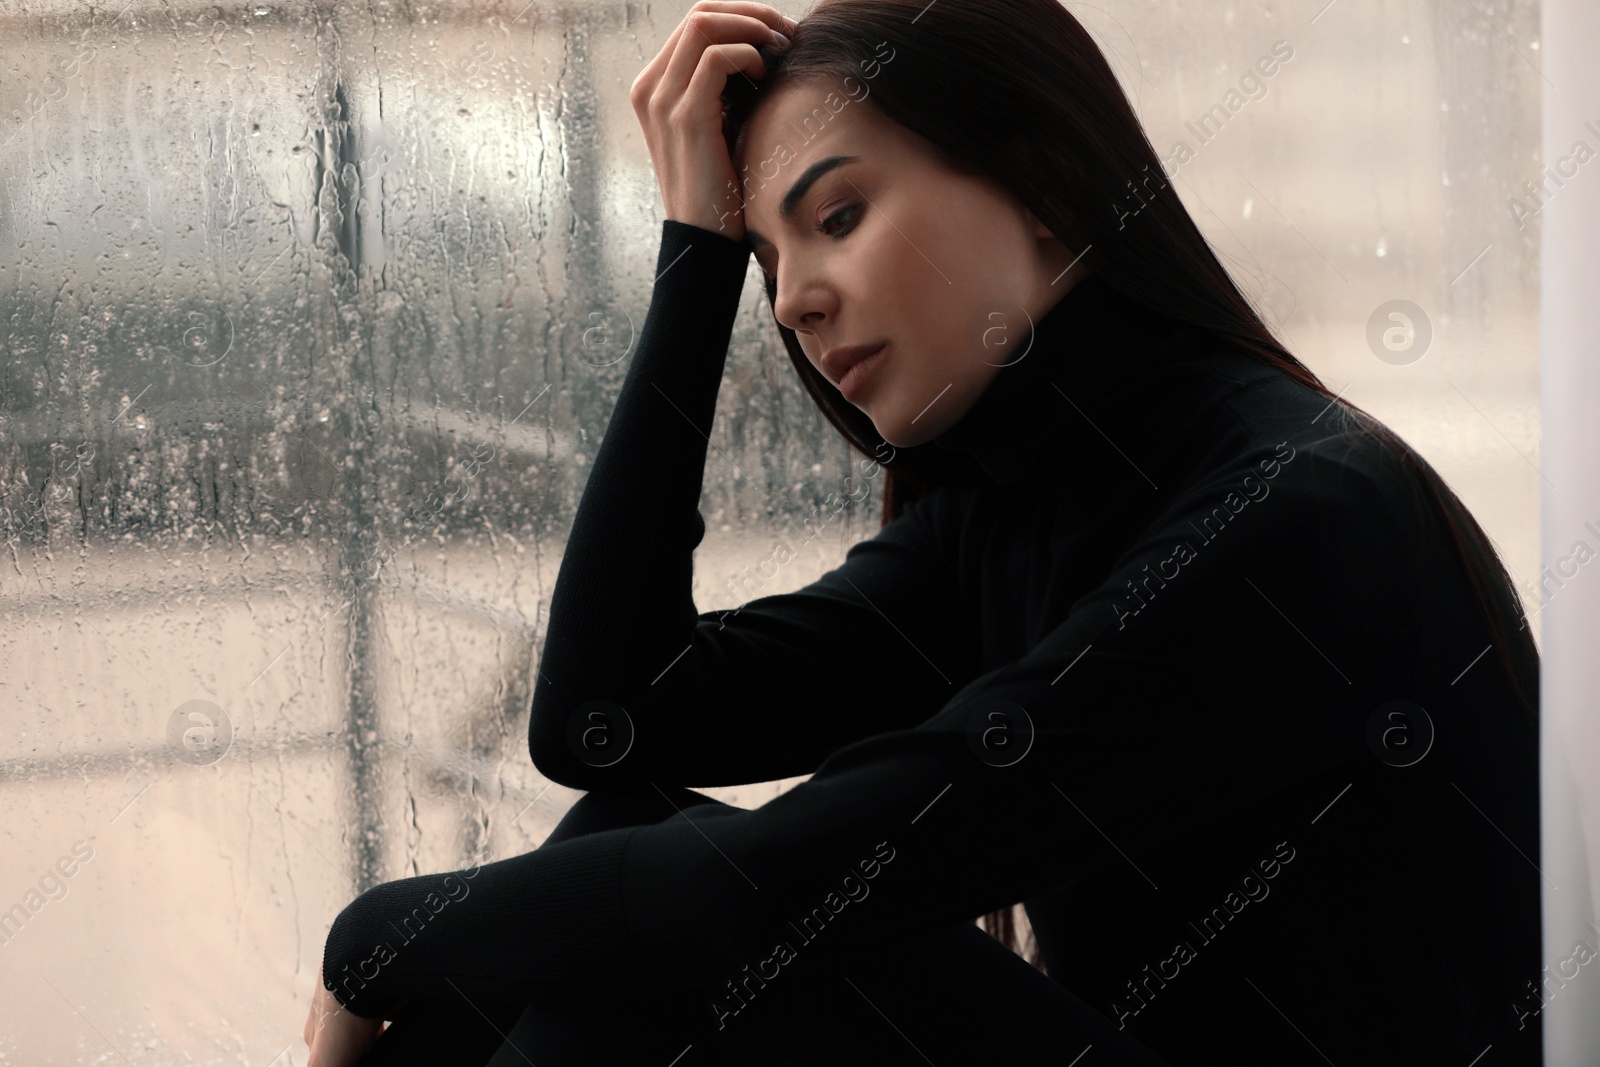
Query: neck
[1091, 342]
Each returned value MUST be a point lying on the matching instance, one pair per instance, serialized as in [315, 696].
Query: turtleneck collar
[1089, 343]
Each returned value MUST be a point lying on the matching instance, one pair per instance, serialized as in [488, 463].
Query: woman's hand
[678, 99]
[336, 1037]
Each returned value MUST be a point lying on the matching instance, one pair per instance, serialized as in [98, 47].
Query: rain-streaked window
[312, 317]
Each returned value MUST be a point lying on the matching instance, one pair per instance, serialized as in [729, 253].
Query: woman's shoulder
[1266, 417]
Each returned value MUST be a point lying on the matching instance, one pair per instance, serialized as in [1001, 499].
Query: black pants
[954, 997]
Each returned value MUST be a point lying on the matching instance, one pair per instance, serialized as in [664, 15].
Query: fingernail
[779, 40]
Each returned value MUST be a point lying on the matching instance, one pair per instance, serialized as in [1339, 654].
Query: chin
[904, 436]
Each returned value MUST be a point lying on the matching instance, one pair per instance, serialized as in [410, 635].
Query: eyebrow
[796, 192]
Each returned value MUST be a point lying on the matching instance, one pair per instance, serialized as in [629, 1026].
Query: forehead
[803, 122]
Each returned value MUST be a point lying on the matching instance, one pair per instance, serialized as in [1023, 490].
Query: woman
[1160, 639]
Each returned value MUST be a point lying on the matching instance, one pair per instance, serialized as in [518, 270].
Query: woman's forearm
[622, 607]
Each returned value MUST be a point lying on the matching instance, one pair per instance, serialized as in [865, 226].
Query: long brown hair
[1017, 90]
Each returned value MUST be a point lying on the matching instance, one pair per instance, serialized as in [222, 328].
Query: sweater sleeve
[756, 693]
[1131, 722]
[634, 683]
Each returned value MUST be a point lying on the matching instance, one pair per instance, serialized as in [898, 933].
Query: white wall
[1570, 394]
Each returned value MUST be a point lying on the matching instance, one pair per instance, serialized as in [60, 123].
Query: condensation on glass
[312, 317]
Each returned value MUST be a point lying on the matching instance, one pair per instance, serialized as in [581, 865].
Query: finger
[653, 71]
[310, 1029]
[313, 1028]
[328, 1049]
[348, 1038]
[664, 80]
[704, 32]
[720, 63]
[765, 13]
[323, 1008]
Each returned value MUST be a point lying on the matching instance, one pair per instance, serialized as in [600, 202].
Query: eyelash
[822, 228]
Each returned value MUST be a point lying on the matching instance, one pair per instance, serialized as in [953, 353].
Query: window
[312, 316]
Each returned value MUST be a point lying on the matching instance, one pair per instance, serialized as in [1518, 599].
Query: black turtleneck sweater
[1132, 662]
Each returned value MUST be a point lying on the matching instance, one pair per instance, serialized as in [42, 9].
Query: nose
[802, 302]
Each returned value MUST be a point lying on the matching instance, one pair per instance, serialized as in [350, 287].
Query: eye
[849, 210]
[837, 225]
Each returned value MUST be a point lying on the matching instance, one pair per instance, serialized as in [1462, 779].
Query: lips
[839, 360]
[861, 373]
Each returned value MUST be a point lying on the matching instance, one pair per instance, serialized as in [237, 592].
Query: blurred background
[312, 315]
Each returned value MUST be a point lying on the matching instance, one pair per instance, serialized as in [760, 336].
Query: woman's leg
[953, 996]
[643, 806]
[456, 1031]
[434, 1032]
[956, 996]
[617, 1031]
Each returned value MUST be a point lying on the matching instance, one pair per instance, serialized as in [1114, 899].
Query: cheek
[900, 282]
[981, 317]
[812, 350]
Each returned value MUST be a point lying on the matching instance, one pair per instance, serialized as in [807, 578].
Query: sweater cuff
[679, 234]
